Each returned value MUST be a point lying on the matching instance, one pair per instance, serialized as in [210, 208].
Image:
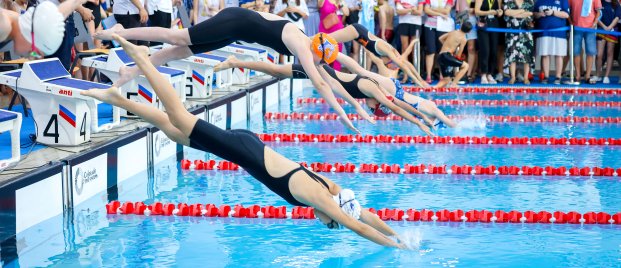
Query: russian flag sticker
[146, 94]
[270, 58]
[198, 77]
[66, 114]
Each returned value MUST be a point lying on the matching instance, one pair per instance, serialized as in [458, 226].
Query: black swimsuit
[365, 40]
[245, 149]
[351, 86]
[237, 24]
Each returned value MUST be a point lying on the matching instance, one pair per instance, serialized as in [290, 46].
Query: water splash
[412, 239]
[472, 122]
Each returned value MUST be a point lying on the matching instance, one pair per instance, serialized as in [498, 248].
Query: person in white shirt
[130, 13]
[410, 21]
[295, 11]
[160, 14]
[438, 22]
[206, 9]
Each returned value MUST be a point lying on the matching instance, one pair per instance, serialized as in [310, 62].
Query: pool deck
[49, 154]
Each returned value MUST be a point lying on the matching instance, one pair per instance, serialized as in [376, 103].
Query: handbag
[330, 20]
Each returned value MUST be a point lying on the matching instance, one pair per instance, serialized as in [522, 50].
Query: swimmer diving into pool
[378, 90]
[238, 24]
[378, 47]
[297, 185]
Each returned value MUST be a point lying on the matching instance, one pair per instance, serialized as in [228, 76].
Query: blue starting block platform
[62, 115]
[139, 89]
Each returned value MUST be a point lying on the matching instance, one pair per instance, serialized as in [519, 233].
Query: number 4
[83, 127]
[46, 132]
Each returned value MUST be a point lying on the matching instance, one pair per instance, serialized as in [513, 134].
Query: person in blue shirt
[550, 14]
[611, 12]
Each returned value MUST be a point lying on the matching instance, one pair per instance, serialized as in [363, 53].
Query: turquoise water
[95, 239]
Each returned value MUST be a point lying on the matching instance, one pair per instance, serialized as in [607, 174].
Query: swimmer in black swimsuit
[378, 47]
[393, 87]
[290, 180]
[230, 25]
[415, 105]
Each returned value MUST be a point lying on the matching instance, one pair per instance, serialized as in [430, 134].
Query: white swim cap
[48, 27]
[346, 199]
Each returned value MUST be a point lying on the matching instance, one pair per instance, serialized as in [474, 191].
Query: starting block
[12, 122]
[62, 115]
[244, 53]
[139, 89]
[200, 75]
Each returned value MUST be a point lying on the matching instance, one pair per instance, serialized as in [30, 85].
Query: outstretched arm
[416, 112]
[306, 59]
[325, 207]
[67, 7]
[339, 90]
[379, 95]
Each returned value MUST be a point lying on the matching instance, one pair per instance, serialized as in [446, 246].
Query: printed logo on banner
[256, 102]
[217, 116]
[159, 143]
[66, 114]
[284, 89]
[83, 177]
[89, 178]
[145, 93]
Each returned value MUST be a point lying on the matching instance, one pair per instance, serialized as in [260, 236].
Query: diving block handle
[95, 127]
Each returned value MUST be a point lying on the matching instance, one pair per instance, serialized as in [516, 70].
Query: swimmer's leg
[146, 112]
[463, 69]
[276, 70]
[179, 37]
[178, 115]
[430, 108]
[345, 35]
[158, 58]
[443, 82]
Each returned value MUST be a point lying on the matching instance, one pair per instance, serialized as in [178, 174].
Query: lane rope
[494, 103]
[517, 90]
[491, 118]
[401, 139]
[338, 167]
[386, 214]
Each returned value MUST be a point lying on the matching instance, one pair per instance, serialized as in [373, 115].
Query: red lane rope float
[517, 90]
[423, 169]
[491, 118]
[349, 138]
[495, 103]
[386, 214]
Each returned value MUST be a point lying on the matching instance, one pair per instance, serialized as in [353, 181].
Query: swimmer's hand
[429, 123]
[362, 112]
[426, 129]
[349, 124]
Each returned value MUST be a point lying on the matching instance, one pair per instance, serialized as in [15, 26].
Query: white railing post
[416, 56]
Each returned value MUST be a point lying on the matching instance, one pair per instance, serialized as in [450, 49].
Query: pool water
[96, 239]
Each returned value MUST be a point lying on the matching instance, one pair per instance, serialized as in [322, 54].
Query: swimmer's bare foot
[134, 51]
[110, 95]
[229, 63]
[126, 74]
[107, 34]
